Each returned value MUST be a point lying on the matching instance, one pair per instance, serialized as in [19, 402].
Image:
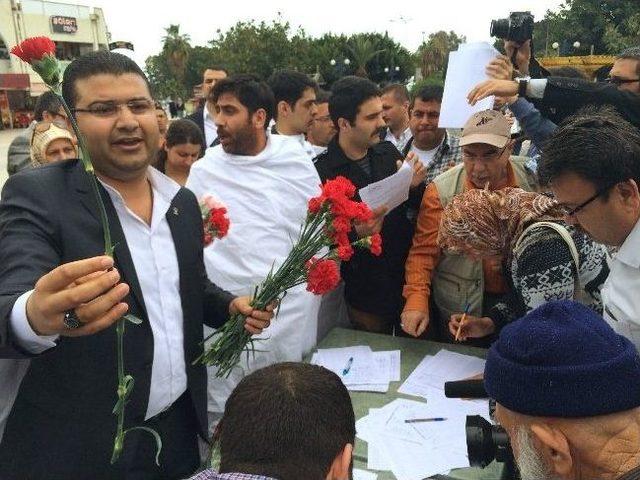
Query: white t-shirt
[426, 156]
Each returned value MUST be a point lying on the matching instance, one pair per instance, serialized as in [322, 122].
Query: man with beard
[567, 391]
[373, 285]
[265, 181]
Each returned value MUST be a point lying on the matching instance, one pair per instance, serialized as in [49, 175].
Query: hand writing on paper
[473, 327]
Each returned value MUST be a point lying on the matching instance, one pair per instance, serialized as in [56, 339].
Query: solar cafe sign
[61, 24]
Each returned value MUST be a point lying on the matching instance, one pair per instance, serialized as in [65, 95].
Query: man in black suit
[59, 299]
[204, 115]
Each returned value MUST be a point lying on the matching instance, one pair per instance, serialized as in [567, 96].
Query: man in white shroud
[265, 182]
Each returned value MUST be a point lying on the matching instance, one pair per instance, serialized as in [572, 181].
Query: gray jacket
[19, 154]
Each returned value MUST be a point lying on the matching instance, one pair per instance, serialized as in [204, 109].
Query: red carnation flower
[34, 49]
[338, 187]
[345, 252]
[219, 221]
[375, 244]
[315, 204]
[322, 276]
[341, 225]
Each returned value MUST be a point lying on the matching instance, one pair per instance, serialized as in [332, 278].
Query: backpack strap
[566, 236]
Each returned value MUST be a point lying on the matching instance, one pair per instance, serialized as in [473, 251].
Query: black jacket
[373, 284]
[570, 94]
[61, 425]
[197, 117]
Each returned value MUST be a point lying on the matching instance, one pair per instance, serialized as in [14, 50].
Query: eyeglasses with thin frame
[621, 81]
[138, 106]
[573, 211]
[488, 158]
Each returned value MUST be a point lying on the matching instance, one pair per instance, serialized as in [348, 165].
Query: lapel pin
[175, 211]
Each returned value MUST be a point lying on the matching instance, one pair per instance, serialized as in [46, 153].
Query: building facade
[75, 29]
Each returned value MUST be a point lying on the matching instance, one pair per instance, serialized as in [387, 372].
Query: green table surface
[413, 351]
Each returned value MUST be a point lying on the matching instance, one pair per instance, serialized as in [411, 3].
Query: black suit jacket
[373, 284]
[570, 94]
[198, 118]
[61, 425]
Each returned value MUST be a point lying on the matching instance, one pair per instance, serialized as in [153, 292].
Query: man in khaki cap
[455, 280]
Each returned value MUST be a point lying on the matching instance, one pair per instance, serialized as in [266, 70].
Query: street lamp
[333, 62]
[556, 47]
[386, 69]
[347, 62]
[576, 44]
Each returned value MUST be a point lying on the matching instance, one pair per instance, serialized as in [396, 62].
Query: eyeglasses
[42, 127]
[486, 157]
[138, 106]
[621, 81]
[573, 211]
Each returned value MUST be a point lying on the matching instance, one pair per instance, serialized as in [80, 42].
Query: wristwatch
[523, 83]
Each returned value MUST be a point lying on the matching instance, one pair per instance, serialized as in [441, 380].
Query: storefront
[15, 101]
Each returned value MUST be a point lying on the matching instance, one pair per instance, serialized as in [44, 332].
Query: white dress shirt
[426, 156]
[156, 264]
[210, 129]
[620, 291]
[401, 141]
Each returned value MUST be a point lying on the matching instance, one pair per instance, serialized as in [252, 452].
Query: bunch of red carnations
[214, 219]
[324, 240]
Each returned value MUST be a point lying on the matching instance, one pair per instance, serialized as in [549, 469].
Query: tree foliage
[608, 26]
[433, 54]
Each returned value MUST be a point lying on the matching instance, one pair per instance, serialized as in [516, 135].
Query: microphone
[465, 389]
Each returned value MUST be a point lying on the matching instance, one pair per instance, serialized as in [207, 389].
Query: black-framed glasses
[138, 106]
[573, 211]
[621, 81]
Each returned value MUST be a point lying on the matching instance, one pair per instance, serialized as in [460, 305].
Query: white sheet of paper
[433, 372]
[362, 370]
[466, 68]
[391, 191]
[364, 475]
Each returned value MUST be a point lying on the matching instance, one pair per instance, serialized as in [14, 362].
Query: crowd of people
[523, 243]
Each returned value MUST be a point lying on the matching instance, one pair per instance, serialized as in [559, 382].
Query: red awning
[14, 81]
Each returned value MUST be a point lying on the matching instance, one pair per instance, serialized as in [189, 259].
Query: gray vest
[457, 279]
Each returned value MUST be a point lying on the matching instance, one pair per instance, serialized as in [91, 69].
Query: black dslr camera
[486, 442]
[518, 27]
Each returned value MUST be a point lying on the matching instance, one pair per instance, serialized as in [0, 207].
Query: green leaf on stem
[132, 318]
[155, 435]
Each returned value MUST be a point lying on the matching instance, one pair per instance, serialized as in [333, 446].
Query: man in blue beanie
[567, 389]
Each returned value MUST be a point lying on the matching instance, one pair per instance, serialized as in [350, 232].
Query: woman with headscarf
[543, 257]
[51, 143]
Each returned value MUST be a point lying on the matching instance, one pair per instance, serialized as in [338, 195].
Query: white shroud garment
[266, 197]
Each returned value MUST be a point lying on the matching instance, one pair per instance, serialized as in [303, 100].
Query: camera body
[517, 27]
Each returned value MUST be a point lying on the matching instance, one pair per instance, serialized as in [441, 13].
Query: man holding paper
[373, 285]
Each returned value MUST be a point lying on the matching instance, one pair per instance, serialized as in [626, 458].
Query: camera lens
[500, 28]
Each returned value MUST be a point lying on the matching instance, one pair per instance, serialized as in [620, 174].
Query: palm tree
[176, 49]
[363, 51]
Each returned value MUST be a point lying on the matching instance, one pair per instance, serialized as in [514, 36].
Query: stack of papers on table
[360, 368]
[413, 451]
[432, 373]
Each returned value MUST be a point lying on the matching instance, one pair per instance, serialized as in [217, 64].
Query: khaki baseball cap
[488, 126]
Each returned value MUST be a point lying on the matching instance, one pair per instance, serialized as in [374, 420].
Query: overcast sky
[143, 22]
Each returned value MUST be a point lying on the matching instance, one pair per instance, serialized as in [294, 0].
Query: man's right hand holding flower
[373, 225]
[87, 287]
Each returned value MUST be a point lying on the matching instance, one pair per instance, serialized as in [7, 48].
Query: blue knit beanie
[563, 360]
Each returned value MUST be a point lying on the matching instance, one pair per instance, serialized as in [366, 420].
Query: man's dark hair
[288, 86]
[47, 102]
[96, 63]
[428, 93]
[596, 144]
[322, 96]
[250, 91]
[399, 91]
[217, 68]
[288, 421]
[567, 72]
[347, 95]
[631, 53]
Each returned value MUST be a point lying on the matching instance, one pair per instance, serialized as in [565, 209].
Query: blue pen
[420, 420]
[348, 367]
